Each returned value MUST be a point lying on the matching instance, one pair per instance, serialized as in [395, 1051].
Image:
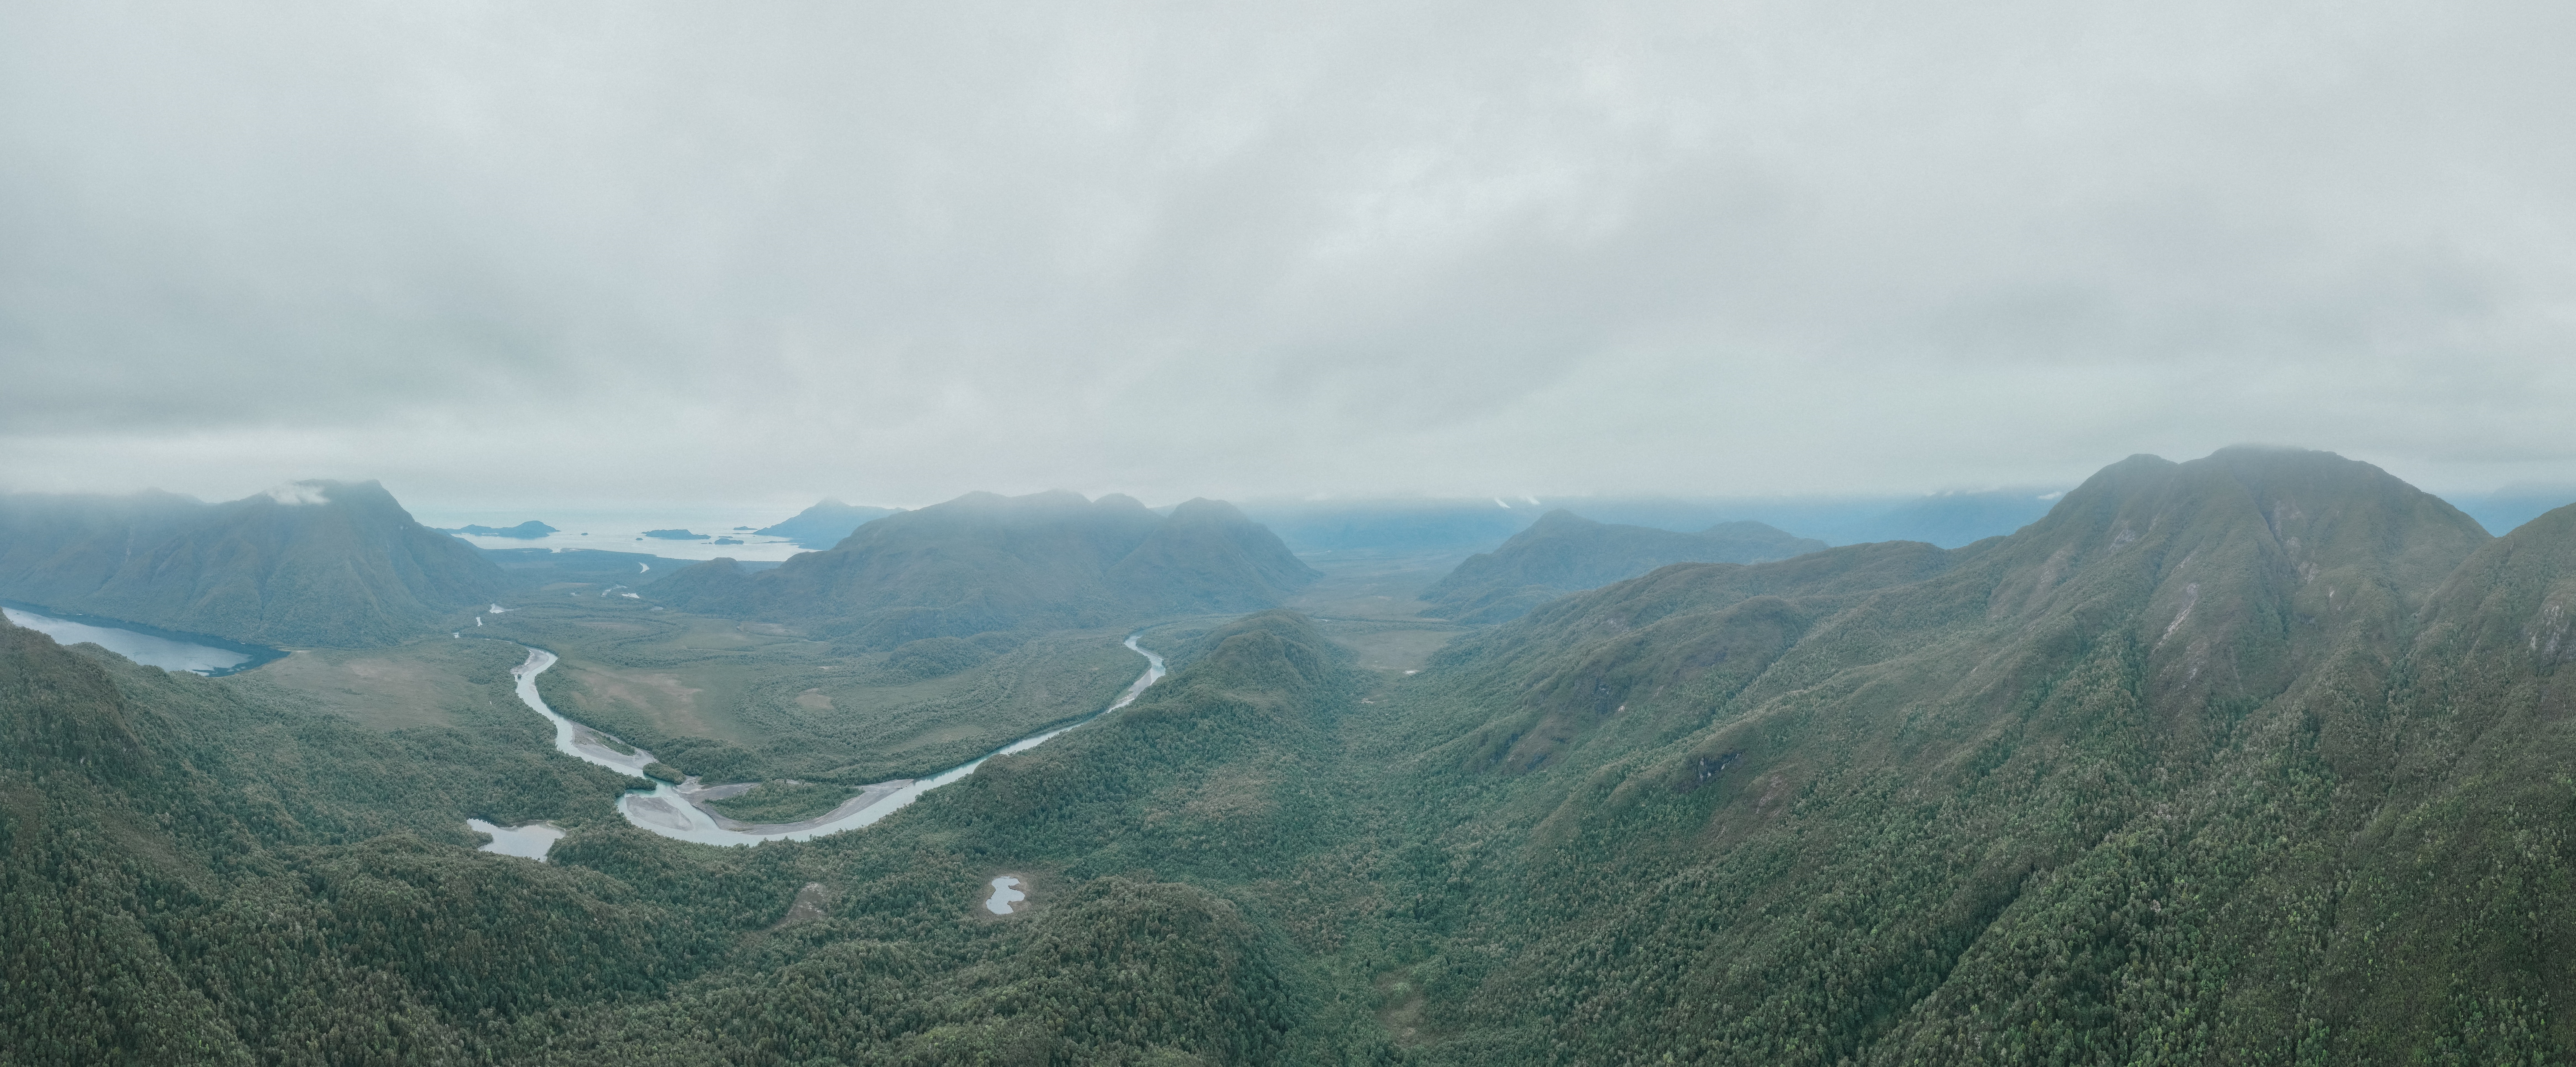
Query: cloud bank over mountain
[1721, 248]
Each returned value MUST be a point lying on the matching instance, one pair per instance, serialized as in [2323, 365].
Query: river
[676, 811]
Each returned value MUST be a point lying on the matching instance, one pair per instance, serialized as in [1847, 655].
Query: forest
[2256, 759]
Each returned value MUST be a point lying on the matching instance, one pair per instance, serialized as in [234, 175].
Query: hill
[984, 562]
[826, 523]
[1563, 552]
[313, 563]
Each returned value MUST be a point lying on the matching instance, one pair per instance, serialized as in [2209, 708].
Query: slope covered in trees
[2254, 759]
[982, 563]
[1564, 552]
[312, 563]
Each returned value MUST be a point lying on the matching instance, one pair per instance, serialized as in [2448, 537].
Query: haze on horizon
[504, 255]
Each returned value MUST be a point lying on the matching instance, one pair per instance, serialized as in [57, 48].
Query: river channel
[678, 811]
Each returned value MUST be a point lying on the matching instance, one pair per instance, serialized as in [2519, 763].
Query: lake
[151, 646]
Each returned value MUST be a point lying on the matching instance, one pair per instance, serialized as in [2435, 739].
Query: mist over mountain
[1948, 519]
[1564, 552]
[310, 563]
[984, 562]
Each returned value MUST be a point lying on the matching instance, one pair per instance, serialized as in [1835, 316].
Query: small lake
[151, 646]
[530, 841]
[1006, 892]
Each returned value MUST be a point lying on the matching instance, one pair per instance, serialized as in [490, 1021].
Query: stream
[677, 812]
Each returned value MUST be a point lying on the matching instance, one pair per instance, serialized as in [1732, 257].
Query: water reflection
[150, 649]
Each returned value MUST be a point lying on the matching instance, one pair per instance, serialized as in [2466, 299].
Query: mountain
[1206, 557]
[312, 563]
[984, 562]
[1949, 519]
[1394, 526]
[1563, 552]
[2258, 758]
[826, 523]
[1424, 526]
[2255, 752]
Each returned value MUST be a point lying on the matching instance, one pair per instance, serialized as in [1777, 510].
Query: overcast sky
[521, 253]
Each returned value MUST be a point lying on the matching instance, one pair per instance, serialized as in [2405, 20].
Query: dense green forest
[2256, 759]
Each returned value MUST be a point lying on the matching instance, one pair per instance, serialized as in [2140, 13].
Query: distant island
[529, 530]
[826, 523]
[677, 535]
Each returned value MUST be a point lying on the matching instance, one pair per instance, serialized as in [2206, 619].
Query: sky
[510, 254]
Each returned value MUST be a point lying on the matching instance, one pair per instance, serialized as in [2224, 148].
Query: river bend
[679, 812]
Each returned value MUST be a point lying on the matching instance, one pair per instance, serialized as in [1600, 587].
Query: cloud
[510, 252]
[294, 493]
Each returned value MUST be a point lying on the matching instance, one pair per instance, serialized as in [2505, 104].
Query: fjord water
[667, 809]
[151, 650]
[624, 531]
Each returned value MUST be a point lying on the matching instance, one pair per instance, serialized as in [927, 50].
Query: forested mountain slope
[983, 562]
[2255, 759]
[1563, 552]
[2249, 759]
[186, 881]
[312, 563]
[201, 871]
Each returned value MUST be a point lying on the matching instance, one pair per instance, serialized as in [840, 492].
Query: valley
[2219, 756]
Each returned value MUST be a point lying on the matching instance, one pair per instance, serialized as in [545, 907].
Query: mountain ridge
[1563, 552]
[310, 563]
[985, 562]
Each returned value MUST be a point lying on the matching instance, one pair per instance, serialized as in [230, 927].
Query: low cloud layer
[506, 253]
